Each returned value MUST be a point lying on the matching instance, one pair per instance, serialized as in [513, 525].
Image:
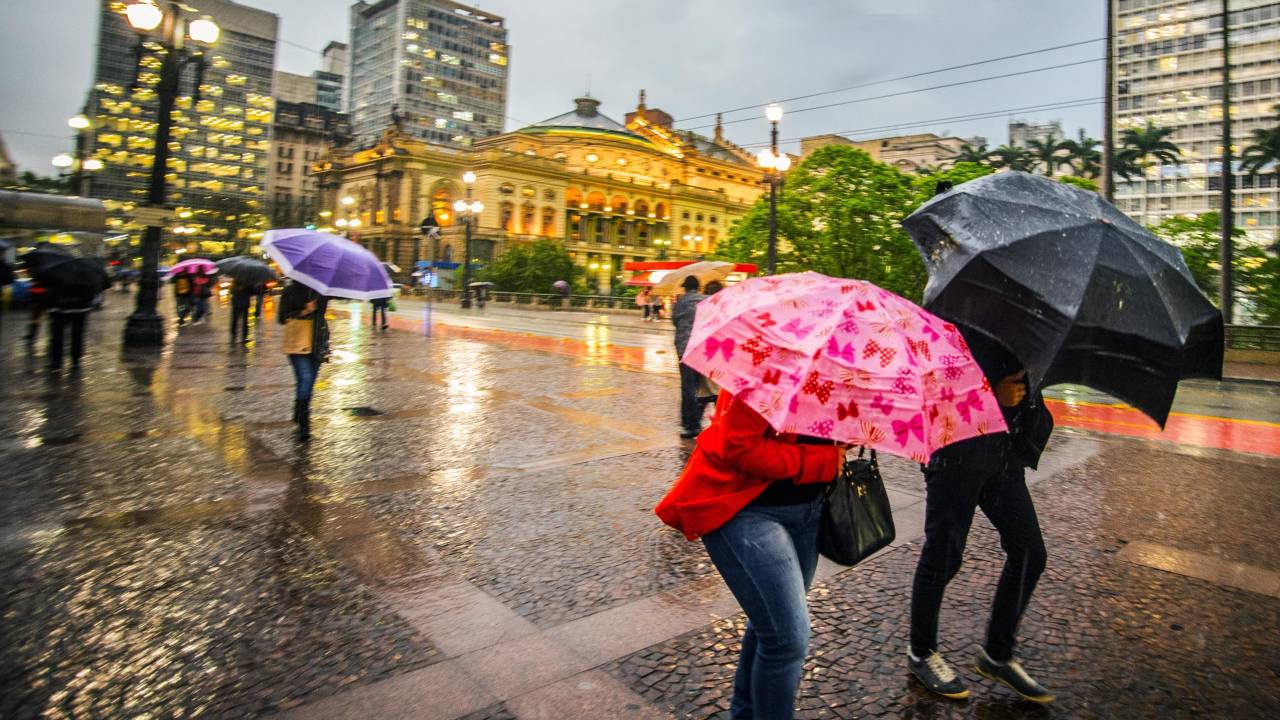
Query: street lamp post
[663, 244]
[774, 164]
[467, 210]
[145, 326]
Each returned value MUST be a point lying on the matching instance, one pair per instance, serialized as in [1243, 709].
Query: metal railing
[551, 301]
[1253, 337]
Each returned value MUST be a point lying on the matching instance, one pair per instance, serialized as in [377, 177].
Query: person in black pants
[71, 309]
[380, 304]
[985, 472]
[241, 296]
[299, 302]
[682, 317]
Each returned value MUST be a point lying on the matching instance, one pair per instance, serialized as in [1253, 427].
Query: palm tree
[1083, 155]
[1265, 148]
[1142, 149]
[1047, 152]
[1014, 158]
[970, 153]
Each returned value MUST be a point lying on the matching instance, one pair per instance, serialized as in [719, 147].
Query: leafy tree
[839, 213]
[1013, 158]
[1083, 155]
[28, 180]
[961, 172]
[1048, 153]
[971, 154]
[1257, 273]
[531, 267]
[1265, 148]
[1144, 148]
[1083, 183]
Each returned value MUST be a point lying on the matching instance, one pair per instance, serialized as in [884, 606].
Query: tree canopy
[532, 268]
[1256, 273]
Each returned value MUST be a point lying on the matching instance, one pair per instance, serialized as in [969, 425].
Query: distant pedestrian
[259, 293]
[201, 291]
[380, 305]
[182, 297]
[68, 310]
[754, 497]
[40, 300]
[682, 317]
[643, 299]
[307, 345]
[241, 298]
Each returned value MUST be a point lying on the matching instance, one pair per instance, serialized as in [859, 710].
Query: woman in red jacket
[755, 497]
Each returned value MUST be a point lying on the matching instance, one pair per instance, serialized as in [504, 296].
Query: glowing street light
[62, 160]
[468, 210]
[78, 122]
[144, 15]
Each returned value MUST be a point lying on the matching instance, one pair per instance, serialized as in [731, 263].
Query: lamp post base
[144, 329]
[466, 299]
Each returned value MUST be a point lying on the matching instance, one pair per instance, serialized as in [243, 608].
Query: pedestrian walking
[182, 297]
[985, 472]
[380, 305]
[643, 299]
[754, 497]
[683, 316]
[259, 294]
[307, 345]
[40, 299]
[6, 278]
[241, 297]
[68, 310]
[201, 291]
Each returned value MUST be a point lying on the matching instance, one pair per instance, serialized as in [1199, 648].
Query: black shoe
[690, 434]
[937, 676]
[1012, 674]
[304, 422]
[297, 409]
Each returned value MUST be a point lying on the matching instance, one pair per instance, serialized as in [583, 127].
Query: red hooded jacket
[735, 459]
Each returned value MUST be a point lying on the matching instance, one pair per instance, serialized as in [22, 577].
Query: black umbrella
[1076, 290]
[67, 275]
[246, 270]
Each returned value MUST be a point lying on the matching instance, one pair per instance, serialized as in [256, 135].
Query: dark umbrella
[64, 274]
[246, 270]
[1076, 290]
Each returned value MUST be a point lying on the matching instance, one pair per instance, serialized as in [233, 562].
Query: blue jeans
[305, 370]
[767, 556]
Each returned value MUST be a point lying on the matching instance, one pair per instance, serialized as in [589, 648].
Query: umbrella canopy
[331, 265]
[706, 271]
[843, 359]
[1076, 290]
[247, 270]
[391, 267]
[480, 284]
[64, 274]
[192, 266]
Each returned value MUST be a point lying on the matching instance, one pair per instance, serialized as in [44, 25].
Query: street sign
[153, 216]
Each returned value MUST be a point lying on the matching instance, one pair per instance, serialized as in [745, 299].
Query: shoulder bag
[856, 520]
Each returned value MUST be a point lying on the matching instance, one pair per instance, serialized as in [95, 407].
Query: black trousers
[955, 487]
[690, 408]
[59, 321]
[379, 306]
[240, 321]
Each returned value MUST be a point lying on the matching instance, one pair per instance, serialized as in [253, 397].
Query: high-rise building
[293, 88]
[1168, 71]
[302, 133]
[441, 65]
[331, 77]
[1021, 132]
[221, 139]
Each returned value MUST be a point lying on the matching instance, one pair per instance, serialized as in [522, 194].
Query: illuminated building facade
[301, 135]
[612, 192]
[442, 64]
[221, 140]
[1168, 70]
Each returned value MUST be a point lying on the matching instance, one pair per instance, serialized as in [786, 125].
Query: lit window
[463, 115]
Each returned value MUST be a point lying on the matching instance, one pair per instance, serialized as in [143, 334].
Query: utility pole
[1109, 109]
[1226, 256]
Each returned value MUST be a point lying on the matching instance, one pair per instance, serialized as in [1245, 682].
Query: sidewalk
[470, 535]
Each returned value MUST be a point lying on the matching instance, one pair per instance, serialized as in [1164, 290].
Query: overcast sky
[693, 56]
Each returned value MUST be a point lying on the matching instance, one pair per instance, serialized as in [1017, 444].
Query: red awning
[641, 279]
[651, 265]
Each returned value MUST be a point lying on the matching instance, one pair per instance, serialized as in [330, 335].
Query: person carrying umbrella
[182, 297]
[201, 291]
[71, 286]
[682, 317]
[241, 297]
[306, 307]
[380, 305]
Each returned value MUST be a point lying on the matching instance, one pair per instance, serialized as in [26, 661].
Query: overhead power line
[958, 83]
[949, 68]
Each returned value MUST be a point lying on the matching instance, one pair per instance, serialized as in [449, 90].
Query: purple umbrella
[330, 265]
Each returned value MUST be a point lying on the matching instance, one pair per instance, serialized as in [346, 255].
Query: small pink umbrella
[193, 266]
[846, 360]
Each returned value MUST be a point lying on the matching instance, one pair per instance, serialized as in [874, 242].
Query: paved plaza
[470, 534]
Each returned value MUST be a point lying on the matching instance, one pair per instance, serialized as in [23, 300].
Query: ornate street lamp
[467, 210]
[663, 244]
[774, 164]
[145, 326]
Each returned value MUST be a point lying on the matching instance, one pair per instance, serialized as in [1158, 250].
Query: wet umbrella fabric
[843, 359]
[332, 266]
[64, 274]
[1076, 290]
[192, 266]
[246, 270]
[705, 270]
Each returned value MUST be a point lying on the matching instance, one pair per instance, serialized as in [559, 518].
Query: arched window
[661, 211]
[642, 208]
[618, 204]
[507, 216]
[686, 236]
[549, 222]
[442, 205]
[713, 238]
[595, 201]
[527, 218]
[573, 199]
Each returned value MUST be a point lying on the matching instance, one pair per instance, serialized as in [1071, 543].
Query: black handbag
[856, 519]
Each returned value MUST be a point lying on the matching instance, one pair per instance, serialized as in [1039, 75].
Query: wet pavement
[470, 535]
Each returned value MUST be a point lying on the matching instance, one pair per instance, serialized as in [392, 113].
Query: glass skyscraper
[442, 65]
